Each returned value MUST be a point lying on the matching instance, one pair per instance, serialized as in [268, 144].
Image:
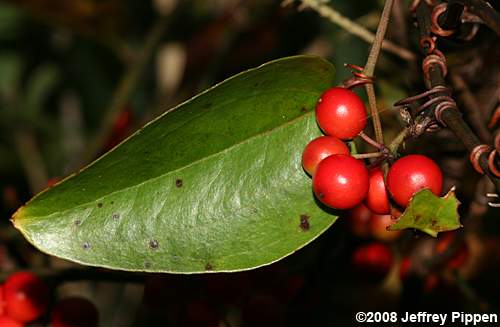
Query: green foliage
[214, 185]
[430, 213]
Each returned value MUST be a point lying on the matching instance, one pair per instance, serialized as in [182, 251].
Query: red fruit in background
[320, 148]
[411, 174]
[374, 260]
[377, 199]
[2, 301]
[378, 228]
[359, 220]
[341, 181]
[53, 181]
[6, 321]
[121, 129]
[459, 257]
[75, 312]
[341, 113]
[404, 268]
[26, 296]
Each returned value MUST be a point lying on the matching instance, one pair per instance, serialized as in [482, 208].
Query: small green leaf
[430, 213]
[214, 185]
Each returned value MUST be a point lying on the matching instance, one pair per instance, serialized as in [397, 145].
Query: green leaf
[214, 185]
[430, 213]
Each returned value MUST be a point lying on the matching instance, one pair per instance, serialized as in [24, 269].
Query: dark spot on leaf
[99, 205]
[115, 216]
[78, 222]
[303, 109]
[208, 266]
[417, 217]
[434, 222]
[147, 264]
[86, 245]
[153, 244]
[112, 202]
[178, 182]
[304, 222]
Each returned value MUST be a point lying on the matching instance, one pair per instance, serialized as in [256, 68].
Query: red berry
[6, 321]
[26, 296]
[75, 312]
[376, 198]
[378, 228]
[320, 148]
[341, 181]
[411, 174]
[359, 220]
[375, 259]
[341, 113]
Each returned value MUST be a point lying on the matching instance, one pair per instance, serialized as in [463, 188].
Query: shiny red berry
[320, 148]
[26, 296]
[340, 182]
[377, 199]
[75, 312]
[411, 174]
[341, 113]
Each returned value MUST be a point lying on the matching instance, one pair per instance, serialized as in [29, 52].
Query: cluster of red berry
[340, 181]
[24, 298]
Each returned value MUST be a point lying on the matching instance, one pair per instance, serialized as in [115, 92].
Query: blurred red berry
[378, 228]
[359, 220]
[26, 296]
[374, 260]
[6, 321]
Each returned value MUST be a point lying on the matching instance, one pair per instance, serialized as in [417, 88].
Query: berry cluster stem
[370, 68]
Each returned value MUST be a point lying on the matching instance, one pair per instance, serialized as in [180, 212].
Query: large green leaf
[214, 185]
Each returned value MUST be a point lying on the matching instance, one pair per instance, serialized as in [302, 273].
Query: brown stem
[485, 11]
[367, 155]
[452, 118]
[471, 106]
[356, 29]
[369, 69]
[398, 140]
[370, 141]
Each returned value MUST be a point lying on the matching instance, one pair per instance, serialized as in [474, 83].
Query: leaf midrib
[215, 154]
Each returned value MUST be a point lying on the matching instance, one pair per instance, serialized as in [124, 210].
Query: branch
[452, 118]
[356, 29]
[370, 68]
[485, 11]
